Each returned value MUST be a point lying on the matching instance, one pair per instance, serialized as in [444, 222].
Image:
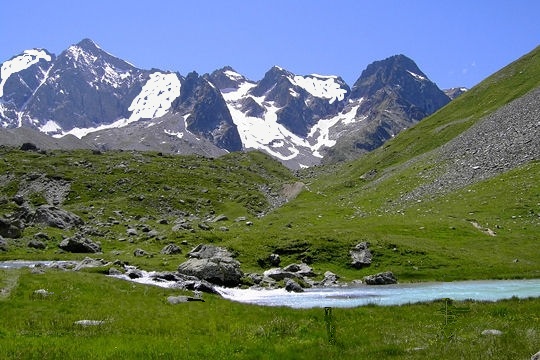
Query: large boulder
[384, 278]
[55, 217]
[10, 228]
[293, 286]
[79, 244]
[360, 255]
[300, 269]
[171, 249]
[213, 264]
[280, 274]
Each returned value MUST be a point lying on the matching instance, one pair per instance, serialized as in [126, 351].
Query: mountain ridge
[295, 118]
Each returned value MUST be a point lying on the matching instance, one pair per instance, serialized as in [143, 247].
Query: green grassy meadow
[140, 324]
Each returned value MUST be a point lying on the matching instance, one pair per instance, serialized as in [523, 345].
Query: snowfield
[19, 63]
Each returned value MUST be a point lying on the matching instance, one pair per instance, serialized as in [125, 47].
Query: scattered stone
[171, 249]
[114, 271]
[42, 293]
[493, 332]
[536, 356]
[134, 273]
[139, 253]
[89, 322]
[240, 219]
[173, 300]
[274, 259]
[41, 236]
[90, 263]
[3, 244]
[279, 274]
[300, 269]
[18, 199]
[256, 278]
[36, 244]
[79, 244]
[293, 286]
[204, 226]
[132, 232]
[220, 217]
[360, 255]
[330, 279]
[384, 278]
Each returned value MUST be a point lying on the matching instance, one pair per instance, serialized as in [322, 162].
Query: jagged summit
[92, 94]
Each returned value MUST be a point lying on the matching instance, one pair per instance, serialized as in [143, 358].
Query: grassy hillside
[443, 237]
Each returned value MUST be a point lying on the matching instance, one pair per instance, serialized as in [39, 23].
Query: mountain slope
[392, 95]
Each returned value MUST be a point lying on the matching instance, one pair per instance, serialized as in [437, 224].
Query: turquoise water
[385, 295]
[352, 295]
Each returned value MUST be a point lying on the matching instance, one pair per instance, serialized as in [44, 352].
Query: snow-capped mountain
[299, 119]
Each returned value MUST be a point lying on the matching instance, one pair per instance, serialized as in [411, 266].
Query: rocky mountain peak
[226, 79]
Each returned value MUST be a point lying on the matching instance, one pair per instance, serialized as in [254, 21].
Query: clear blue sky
[456, 43]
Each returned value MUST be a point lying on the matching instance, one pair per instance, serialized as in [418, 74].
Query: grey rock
[3, 244]
[492, 332]
[11, 228]
[89, 322]
[203, 251]
[139, 253]
[300, 269]
[213, 264]
[173, 300]
[90, 263]
[79, 244]
[171, 249]
[330, 279]
[220, 217]
[361, 255]
[293, 286]
[256, 278]
[132, 232]
[384, 278]
[41, 236]
[55, 217]
[204, 226]
[280, 274]
[536, 356]
[114, 271]
[220, 271]
[274, 259]
[133, 273]
[42, 293]
[36, 244]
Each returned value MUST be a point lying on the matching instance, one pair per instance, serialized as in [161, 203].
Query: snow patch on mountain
[19, 63]
[266, 134]
[233, 75]
[156, 96]
[419, 77]
[50, 127]
[320, 132]
[325, 87]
